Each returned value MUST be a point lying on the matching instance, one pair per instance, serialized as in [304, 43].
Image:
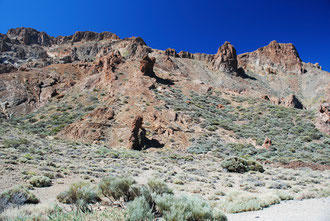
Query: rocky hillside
[121, 131]
[98, 88]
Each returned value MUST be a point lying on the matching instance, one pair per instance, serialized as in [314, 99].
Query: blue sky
[195, 26]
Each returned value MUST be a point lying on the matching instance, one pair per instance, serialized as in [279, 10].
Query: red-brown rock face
[110, 61]
[28, 36]
[147, 65]
[289, 101]
[225, 60]
[275, 58]
[323, 121]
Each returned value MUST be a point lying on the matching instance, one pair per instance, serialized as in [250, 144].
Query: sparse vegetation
[236, 202]
[159, 187]
[81, 195]
[16, 196]
[186, 208]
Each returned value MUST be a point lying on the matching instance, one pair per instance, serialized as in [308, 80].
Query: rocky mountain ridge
[122, 80]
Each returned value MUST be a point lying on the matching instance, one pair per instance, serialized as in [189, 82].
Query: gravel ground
[294, 210]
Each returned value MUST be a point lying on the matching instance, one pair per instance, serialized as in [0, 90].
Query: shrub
[284, 195]
[159, 187]
[186, 208]
[236, 202]
[14, 143]
[240, 165]
[139, 210]
[80, 194]
[117, 188]
[16, 196]
[40, 181]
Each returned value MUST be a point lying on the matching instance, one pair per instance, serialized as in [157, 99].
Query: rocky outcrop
[171, 52]
[91, 127]
[323, 118]
[29, 36]
[4, 43]
[133, 47]
[267, 143]
[109, 62]
[29, 48]
[185, 54]
[292, 101]
[93, 36]
[311, 65]
[137, 138]
[275, 58]
[207, 58]
[226, 59]
[147, 65]
[289, 101]
[7, 68]
[85, 36]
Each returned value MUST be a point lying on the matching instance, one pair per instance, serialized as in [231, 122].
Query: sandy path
[294, 210]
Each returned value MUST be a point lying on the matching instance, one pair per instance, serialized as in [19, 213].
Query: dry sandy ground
[294, 210]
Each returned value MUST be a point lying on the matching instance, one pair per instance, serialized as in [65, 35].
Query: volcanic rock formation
[137, 139]
[275, 58]
[147, 65]
[171, 52]
[87, 77]
[225, 60]
[323, 121]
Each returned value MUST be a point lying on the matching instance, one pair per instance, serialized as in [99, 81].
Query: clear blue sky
[190, 25]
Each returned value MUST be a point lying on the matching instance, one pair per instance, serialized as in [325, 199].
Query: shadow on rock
[241, 73]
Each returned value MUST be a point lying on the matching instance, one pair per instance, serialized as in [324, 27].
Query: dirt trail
[294, 210]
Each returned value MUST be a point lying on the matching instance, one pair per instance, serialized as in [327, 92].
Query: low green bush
[159, 187]
[40, 181]
[14, 143]
[240, 165]
[116, 188]
[139, 210]
[16, 196]
[236, 202]
[283, 195]
[175, 208]
[80, 194]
